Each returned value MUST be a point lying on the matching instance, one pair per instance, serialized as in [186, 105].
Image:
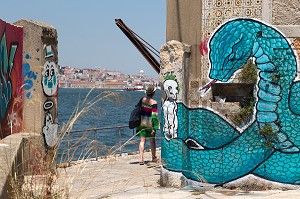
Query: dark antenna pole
[144, 50]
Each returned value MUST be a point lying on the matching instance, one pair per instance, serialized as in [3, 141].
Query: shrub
[244, 114]
[270, 136]
[248, 73]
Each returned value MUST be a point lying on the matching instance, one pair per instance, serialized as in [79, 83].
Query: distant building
[100, 78]
[142, 73]
[114, 84]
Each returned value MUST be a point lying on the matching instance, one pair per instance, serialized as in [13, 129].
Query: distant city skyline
[87, 34]
[115, 70]
[71, 77]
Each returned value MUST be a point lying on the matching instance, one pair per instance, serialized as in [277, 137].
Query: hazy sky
[87, 34]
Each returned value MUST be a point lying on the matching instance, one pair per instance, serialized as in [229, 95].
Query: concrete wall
[15, 165]
[9, 149]
[285, 12]
[199, 141]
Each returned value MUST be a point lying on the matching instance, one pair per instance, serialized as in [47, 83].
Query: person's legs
[142, 148]
[153, 149]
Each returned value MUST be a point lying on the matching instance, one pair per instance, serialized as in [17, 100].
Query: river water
[112, 109]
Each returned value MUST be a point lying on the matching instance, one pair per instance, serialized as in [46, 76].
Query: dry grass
[45, 186]
[253, 185]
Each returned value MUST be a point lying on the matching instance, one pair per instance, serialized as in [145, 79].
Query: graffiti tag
[29, 76]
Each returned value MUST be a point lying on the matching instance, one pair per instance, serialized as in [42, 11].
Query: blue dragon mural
[210, 148]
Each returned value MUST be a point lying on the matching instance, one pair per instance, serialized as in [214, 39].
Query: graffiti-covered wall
[40, 63]
[202, 143]
[207, 146]
[11, 91]
[40, 72]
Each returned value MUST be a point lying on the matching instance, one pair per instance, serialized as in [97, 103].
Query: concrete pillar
[184, 25]
[40, 72]
[267, 11]
[174, 57]
[40, 59]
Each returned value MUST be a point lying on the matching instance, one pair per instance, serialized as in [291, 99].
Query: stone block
[171, 179]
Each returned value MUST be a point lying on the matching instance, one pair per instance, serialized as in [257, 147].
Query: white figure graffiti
[170, 109]
[49, 78]
[50, 129]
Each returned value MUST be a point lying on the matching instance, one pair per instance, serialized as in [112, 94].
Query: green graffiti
[172, 77]
[6, 66]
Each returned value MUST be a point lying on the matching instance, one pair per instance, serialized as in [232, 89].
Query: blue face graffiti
[49, 80]
[226, 153]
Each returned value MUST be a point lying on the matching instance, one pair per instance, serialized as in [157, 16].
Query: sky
[87, 34]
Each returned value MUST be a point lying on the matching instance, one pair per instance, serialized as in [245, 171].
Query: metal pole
[96, 145]
[120, 141]
[68, 149]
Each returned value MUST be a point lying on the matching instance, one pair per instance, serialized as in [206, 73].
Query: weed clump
[244, 114]
[270, 136]
[248, 73]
